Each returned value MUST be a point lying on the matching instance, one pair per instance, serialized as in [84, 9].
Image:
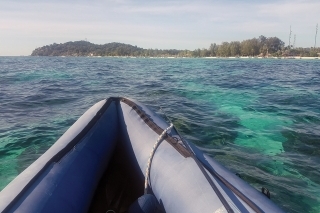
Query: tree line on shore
[261, 46]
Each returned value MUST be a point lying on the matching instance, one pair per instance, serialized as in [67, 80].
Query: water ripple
[260, 118]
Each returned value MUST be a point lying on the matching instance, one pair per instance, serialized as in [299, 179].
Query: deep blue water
[258, 117]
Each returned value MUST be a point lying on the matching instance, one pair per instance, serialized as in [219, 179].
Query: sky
[180, 24]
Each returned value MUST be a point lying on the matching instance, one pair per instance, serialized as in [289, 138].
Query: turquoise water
[258, 117]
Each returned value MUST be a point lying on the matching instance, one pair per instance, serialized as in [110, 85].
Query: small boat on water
[120, 156]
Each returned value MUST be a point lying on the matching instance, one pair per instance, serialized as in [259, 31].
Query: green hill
[84, 48]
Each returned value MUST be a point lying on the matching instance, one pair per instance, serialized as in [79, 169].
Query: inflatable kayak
[119, 156]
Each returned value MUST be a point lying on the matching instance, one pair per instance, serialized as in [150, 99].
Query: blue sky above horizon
[164, 24]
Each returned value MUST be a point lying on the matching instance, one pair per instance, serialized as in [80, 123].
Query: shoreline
[247, 57]
[177, 57]
[173, 57]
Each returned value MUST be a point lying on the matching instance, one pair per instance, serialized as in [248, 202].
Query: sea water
[258, 117]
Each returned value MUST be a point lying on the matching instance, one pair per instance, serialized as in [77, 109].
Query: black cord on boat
[214, 187]
[235, 190]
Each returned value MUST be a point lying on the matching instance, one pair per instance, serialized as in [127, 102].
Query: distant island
[261, 46]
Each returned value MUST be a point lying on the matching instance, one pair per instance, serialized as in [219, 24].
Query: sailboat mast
[315, 38]
[290, 37]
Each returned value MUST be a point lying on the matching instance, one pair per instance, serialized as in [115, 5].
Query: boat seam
[179, 147]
